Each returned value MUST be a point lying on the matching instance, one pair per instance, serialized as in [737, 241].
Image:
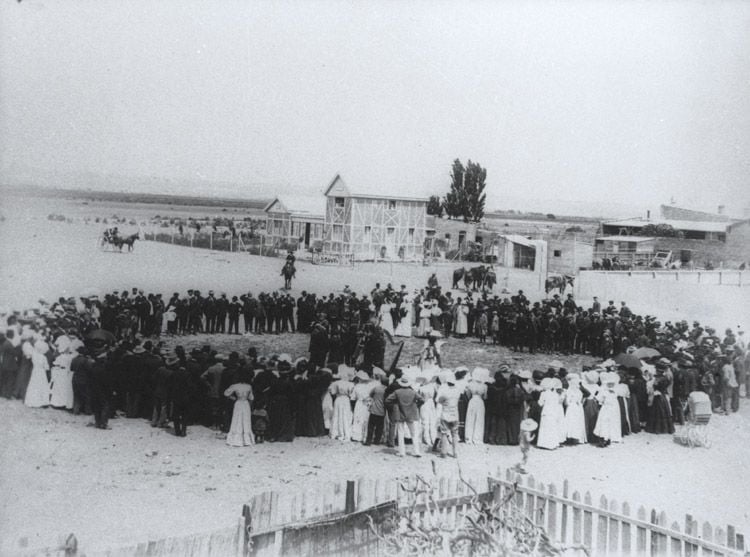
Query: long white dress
[575, 423]
[608, 424]
[62, 382]
[341, 421]
[386, 320]
[551, 424]
[38, 391]
[425, 311]
[461, 326]
[326, 402]
[403, 329]
[474, 427]
[241, 431]
[428, 413]
[361, 394]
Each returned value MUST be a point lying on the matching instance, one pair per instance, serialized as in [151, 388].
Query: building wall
[728, 254]
[376, 228]
[566, 256]
[451, 231]
[283, 227]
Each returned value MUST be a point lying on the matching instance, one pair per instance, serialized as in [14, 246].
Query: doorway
[307, 234]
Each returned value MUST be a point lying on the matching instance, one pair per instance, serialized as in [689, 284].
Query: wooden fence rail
[333, 520]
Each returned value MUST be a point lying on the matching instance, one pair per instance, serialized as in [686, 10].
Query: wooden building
[567, 255]
[294, 222]
[370, 226]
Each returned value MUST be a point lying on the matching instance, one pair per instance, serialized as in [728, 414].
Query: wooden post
[350, 501]
[720, 277]
[576, 519]
[248, 524]
[614, 529]
[601, 528]
[211, 240]
[626, 531]
[564, 512]
[588, 520]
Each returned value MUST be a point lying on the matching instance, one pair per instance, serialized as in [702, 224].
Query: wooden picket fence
[611, 529]
[335, 520]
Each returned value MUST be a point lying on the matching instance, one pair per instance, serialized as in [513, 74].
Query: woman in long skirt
[428, 412]
[515, 397]
[476, 391]
[551, 424]
[62, 382]
[403, 329]
[575, 423]
[280, 408]
[38, 391]
[24, 370]
[659, 418]
[590, 389]
[623, 394]
[241, 432]
[608, 424]
[341, 421]
[386, 321]
[425, 312]
[361, 396]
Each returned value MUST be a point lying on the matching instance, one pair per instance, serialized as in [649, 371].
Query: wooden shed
[294, 222]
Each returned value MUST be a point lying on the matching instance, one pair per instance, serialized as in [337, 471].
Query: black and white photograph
[374, 278]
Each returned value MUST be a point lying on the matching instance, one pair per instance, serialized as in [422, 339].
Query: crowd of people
[104, 357]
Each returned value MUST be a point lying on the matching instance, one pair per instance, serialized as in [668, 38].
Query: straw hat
[555, 383]
[546, 383]
[480, 374]
[404, 381]
[362, 375]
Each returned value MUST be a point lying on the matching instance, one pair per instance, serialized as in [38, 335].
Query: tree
[466, 197]
[453, 202]
[474, 196]
[662, 231]
[435, 206]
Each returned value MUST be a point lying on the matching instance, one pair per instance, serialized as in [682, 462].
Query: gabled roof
[298, 205]
[339, 188]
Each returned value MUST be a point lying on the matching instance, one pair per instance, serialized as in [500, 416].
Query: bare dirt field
[135, 483]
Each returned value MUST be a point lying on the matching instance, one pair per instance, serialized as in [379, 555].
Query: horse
[490, 279]
[458, 274]
[558, 281]
[288, 271]
[473, 278]
[127, 241]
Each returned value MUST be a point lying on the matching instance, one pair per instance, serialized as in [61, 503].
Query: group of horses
[475, 278]
[118, 242]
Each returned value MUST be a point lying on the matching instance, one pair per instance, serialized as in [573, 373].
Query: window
[557, 253]
[338, 233]
[368, 234]
[391, 205]
[411, 233]
[339, 202]
[447, 236]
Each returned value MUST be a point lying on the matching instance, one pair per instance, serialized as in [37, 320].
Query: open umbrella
[645, 352]
[628, 360]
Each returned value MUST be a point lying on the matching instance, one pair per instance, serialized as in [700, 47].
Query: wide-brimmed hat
[404, 381]
[139, 349]
[362, 375]
[171, 360]
[529, 425]
[524, 374]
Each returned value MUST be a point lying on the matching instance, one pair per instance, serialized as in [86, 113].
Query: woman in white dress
[476, 391]
[608, 425]
[425, 312]
[326, 401]
[460, 318]
[386, 321]
[575, 423]
[341, 421]
[403, 329]
[427, 412]
[241, 432]
[551, 424]
[62, 379]
[38, 391]
[361, 396]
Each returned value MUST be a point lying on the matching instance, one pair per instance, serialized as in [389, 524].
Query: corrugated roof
[702, 226]
[523, 240]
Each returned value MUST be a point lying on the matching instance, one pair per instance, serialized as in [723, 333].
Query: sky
[594, 107]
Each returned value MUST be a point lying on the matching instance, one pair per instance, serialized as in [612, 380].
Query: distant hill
[134, 197]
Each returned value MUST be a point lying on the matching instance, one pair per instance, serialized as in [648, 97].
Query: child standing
[528, 427]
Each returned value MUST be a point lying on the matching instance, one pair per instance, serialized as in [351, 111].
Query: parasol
[645, 352]
[628, 360]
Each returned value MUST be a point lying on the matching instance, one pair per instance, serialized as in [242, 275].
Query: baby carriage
[695, 432]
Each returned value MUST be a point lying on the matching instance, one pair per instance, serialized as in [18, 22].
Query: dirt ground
[135, 483]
